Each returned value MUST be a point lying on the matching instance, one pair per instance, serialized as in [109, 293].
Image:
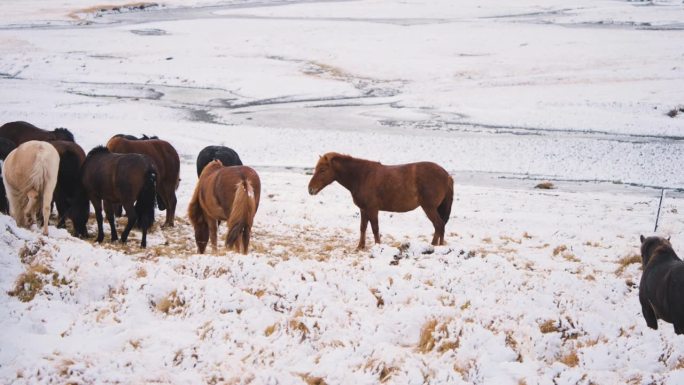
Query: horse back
[20, 132]
[115, 177]
[161, 152]
[402, 188]
[217, 189]
[31, 165]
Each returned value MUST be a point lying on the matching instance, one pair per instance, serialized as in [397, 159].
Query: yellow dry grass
[171, 304]
[548, 326]
[75, 14]
[546, 185]
[30, 283]
[571, 359]
[625, 261]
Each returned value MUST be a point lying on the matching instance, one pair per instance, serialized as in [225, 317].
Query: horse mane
[97, 150]
[336, 155]
[131, 137]
[64, 132]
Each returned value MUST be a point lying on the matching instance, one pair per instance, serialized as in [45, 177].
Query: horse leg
[438, 223]
[171, 201]
[132, 219]
[30, 209]
[109, 213]
[97, 205]
[364, 226]
[47, 207]
[373, 216]
[213, 229]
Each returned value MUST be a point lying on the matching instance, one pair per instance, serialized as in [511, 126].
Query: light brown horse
[224, 193]
[376, 187]
[30, 176]
[165, 159]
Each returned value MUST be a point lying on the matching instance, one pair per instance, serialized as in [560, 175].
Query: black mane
[131, 137]
[96, 150]
[64, 134]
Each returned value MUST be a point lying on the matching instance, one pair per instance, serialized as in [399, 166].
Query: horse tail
[144, 204]
[241, 217]
[444, 208]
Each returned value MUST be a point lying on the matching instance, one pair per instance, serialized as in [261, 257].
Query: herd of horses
[40, 167]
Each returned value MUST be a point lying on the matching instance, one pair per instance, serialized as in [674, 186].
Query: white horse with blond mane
[30, 176]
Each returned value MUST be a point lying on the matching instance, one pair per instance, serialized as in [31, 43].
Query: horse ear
[642, 238]
[668, 238]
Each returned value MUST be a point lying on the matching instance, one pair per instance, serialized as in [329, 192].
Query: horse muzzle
[313, 191]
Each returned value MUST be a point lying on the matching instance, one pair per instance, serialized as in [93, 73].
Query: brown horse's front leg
[213, 229]
[373, 216]
[364, 225]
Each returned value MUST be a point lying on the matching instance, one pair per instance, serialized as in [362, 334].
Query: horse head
[650, 245]
[324, 174]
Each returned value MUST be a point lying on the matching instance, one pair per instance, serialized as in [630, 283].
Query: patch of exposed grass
[171, 304]
[559, 249]
[271, 329]
[312, 380]
[571, 359]
[546, 185]
[548, 326]
[30, 283]
[625, 261]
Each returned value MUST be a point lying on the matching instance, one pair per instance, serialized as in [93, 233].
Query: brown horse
[125, 179]
[165, 159]
[20, 132]
[71, 158]
[376, 187]
[224, 193]
[30, 175]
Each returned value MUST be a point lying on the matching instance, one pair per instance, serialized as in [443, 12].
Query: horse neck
[349, 172]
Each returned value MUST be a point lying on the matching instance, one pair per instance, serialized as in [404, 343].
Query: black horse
[126, 179]
[226, 155]
[71, 158]
[661, 290]
[6, 146]
[20, 132]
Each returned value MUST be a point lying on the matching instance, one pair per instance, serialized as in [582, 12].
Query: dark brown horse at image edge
[126, 179]
[661, 289]
[71, 158]
[20, 132]
[398, 188]
[167, 163]
[224, 193]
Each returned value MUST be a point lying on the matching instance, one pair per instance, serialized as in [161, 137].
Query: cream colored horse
[30, 176]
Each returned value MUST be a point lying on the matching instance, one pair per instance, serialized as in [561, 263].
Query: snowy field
[534, 287]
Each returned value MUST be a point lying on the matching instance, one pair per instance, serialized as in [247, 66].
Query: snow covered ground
[534, 286]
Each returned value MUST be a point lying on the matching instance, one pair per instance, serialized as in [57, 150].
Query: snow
[530, 287]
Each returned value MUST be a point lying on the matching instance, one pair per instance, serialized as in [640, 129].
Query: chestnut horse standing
[125, 179]
[165, 159]
[376, 187]
[30, 176]
[20, 132]
[224, 193]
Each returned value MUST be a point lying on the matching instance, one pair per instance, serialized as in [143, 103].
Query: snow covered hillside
[534, 287]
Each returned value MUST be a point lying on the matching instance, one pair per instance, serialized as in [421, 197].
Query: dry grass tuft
[559, 249]
[271, 329]
[141, 273]
[171, 304]
[625, 261]
[378, 297]
[386, 372]
[31, 282]
[546, 185]
[312, 380]
[548, 326]
[297, 326]
[571, 359]
[427, 339]
[466, 305]
[570, 257]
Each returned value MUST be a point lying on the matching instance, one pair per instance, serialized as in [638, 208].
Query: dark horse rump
[20, 132]
[661, 290]
[126, 179]
[6, 146]
[71, 158]
[166, 161]
[226, 155]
